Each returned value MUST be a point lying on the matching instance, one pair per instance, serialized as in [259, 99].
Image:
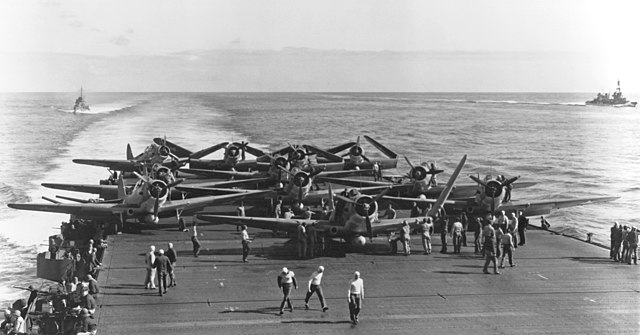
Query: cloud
[120, 40]
[129, 31]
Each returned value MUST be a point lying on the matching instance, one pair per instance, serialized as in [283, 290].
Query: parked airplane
[296, 192]
[156, 154]
[418, 185]
[357, 218]
[358, 159]
[489, 198]
[146, 202]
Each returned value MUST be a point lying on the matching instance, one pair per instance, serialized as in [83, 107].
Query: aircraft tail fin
[129, 152]
[381, 147]
[445, 193]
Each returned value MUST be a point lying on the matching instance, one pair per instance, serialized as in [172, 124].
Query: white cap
[161, 251]
[320, 268]
[285, 270]
[357, 274]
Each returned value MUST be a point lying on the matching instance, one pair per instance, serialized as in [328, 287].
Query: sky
[299, 45]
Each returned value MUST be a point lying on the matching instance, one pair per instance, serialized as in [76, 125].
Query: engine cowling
[158, 189]
[356, 150]
[493, 189]
[233, 151]
[366, 206]
[301, 179]
[164, 151]
[419, 173]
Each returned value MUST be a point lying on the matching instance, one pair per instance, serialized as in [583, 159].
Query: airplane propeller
[357, 151]
[419, 172]
[493, 188]
[164, 150]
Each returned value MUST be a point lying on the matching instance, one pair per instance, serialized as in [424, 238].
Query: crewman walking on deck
[195, 241]
[489, 236]
[163, 266]
[507, 248]
[286, 280]
[149, 259]
[245, 243]
[356, 296]
[173, 259]
[314, 287]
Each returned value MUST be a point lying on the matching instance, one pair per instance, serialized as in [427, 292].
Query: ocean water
[569, 149]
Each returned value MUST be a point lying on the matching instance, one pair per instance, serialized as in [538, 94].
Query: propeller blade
[381, 194]
[156, 207]
[478, 180]
[408, 162]
[144, 178]
[365, 158]
[285, 170]
[369, 228]
[345, 199]
[510, 181]
[176, 182]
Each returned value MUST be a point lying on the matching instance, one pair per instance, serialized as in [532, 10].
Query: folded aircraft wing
[534, 208]
[113, 164]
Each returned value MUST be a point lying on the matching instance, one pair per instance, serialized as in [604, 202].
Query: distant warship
[80, 104]
[615, 100]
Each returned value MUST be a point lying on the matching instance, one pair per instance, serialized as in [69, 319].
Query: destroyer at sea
[614, 100]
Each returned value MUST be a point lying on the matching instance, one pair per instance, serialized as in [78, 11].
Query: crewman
[302, 240]
[456, 235]
[426, 229]
[489, 237]
[390, 213]
[406, 238]
[286, 280]
[245, 244]
[415, 210]
[523, 223]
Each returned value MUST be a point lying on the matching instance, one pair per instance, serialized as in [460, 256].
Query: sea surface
[569, 149]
